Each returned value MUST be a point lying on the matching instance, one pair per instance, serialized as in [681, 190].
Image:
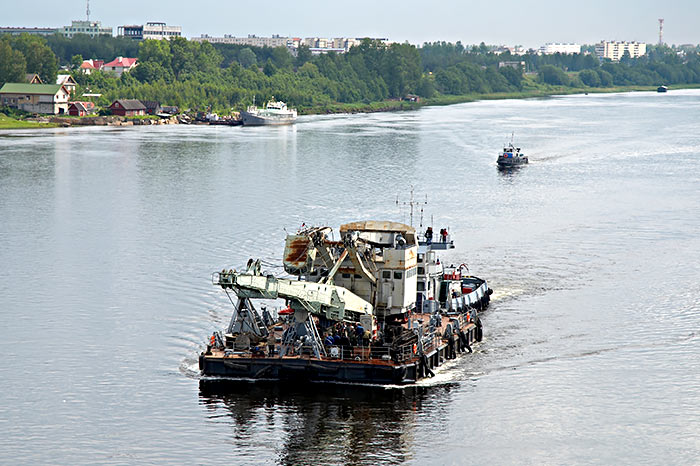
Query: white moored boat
[274, 113]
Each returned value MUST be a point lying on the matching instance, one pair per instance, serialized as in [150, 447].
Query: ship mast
[413, 203]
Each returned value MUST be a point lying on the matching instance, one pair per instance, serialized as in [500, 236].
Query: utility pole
[661, 31]
[87, 11]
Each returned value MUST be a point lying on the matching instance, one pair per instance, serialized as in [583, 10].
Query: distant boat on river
[511, 156]
[274, 113]
[661, 89]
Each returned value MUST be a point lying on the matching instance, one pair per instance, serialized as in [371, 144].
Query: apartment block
[614, 50]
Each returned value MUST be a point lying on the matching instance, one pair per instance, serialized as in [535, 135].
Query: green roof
[24, 88]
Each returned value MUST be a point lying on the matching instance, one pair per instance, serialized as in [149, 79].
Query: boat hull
[511, 162]
[250, 119]
[311, 369]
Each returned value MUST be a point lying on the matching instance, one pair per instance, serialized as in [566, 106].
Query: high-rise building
[615, 50]
[552, 48]
[90, 28]
[15, 31]
[156, 31]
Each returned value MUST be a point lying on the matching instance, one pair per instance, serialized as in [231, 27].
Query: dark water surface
[108, 237]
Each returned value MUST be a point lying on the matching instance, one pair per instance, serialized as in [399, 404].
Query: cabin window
[421, 286]
[386, 274]
[357, 276]
[346, 275]
[420, 258]
[397, 275]
[421, 271]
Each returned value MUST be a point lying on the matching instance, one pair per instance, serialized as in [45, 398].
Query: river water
[108, 237]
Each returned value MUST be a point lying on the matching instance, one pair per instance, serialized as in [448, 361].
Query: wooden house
[68, 82]
[127, 107]
[35, 98]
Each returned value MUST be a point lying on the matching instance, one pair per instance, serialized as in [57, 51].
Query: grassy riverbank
[533, 91]
[7, 122]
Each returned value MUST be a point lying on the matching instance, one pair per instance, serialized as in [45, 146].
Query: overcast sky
[510, 22]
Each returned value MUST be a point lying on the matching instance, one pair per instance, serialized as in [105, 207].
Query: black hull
[335, 371]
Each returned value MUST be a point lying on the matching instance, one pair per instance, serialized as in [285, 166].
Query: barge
[373, 307]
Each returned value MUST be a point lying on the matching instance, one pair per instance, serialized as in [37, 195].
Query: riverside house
[35, 98]
[127, 107]
[80, 108]
[68, 82]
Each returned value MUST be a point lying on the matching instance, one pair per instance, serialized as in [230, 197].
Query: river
[109, 236]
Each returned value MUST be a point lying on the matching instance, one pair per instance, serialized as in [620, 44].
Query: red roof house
[120, 65]
[88, 66]
[80, 108]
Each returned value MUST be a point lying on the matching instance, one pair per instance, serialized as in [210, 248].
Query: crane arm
[331, 301]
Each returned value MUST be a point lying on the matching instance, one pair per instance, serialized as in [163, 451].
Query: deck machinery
[367, 281]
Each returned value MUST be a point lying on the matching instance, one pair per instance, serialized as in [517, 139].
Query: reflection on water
[321, 423]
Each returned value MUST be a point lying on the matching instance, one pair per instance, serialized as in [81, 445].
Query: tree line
[193, 74]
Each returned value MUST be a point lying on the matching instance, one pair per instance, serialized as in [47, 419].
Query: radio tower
[87, 11]
[661, 31]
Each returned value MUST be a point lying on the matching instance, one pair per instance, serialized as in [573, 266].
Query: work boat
[274, 113]
[511, 156]
[374, 307]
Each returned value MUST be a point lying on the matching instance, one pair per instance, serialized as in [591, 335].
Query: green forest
[194, 75]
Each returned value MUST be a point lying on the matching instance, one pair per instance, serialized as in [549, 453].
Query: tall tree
[13, 66]
[40, 58]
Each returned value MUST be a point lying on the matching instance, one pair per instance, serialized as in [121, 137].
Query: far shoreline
[9, 123]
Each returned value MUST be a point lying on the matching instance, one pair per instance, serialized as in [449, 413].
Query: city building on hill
[35, 98]
[155, 31]
[552, 48]
[252, 40]
[615, 50]
[316, 44]
[513, 50]
[119, 65]
[15, 31]
[515, 64]
[90, 28]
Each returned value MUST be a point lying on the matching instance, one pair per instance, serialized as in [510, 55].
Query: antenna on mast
[87, 11]
[413, 203]
[661, 31]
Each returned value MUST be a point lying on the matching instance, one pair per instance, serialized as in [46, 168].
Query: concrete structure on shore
[552, 48]
[90, 28]
[615, 50]
[152, 30]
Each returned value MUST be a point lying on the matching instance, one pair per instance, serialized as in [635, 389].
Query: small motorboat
[511, 156]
